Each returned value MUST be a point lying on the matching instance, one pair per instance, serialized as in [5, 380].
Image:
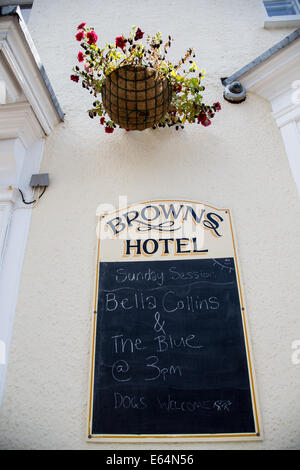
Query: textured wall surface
[238, 162]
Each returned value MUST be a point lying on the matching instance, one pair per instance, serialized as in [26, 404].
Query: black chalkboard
[170, 354]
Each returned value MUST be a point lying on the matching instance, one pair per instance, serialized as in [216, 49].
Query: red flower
[75, 78]
[206, 123]
[92, 37]
[102, 120]
[120, 42]
[81, 26]
[177, 87]
[139, 34]
[217, 106]
[202, 117]
[79, 36]
[80, 56]
[109, 130]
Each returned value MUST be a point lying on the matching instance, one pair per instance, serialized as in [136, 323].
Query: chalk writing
[170, 349]
[118, 369]
[171, 404]
[168, 302]
[159, 371]
[121, 344]
[129, 401]
[158, 327]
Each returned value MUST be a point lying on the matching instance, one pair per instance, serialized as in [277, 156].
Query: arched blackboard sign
[170, 347]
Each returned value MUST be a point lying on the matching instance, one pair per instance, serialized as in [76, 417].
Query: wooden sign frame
[253, 436]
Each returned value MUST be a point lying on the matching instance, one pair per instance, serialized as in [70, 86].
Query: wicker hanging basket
[134, 99]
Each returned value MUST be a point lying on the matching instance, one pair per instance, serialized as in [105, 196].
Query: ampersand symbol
[159, 326]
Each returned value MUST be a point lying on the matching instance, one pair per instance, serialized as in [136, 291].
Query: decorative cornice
[8, 195]
[17, 120]
[18, 51]
[287, 114]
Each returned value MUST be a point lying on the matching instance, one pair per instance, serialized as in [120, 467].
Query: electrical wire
[35, 200]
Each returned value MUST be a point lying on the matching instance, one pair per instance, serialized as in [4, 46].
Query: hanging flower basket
[134, 99]
[138, 87]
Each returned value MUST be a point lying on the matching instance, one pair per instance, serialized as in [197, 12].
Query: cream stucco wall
[238, 162]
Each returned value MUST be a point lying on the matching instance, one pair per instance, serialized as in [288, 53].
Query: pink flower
[80, 56]
[206, 123]
[79, 36]
[120, 42]
[75, 78]
[109, 130]
[88, 69]
[81, 26]
[139, 34]
[102, 120]
[92, 37]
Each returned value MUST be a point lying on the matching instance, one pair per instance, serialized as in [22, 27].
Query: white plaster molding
[273, 80]
[14, 228]
[17, 120]
[275, 76]
[291, 138]
[3, 92]
[28, 112]
[13, 90]
[290, 113]
[12, 156]
[8, 199]
[8, 195]
[20, 55]
[16, 233]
